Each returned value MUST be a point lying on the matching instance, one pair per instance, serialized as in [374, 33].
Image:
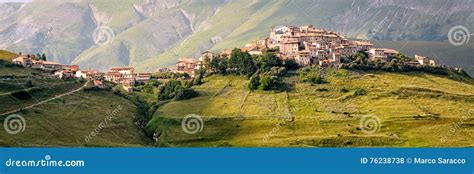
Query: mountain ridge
[152, 33]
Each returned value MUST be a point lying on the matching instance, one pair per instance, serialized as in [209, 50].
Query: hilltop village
[305, 46]
[126, 76]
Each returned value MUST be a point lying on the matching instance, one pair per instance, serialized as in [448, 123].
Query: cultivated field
[413, 110]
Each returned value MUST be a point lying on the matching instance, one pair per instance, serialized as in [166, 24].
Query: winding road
[47, 100]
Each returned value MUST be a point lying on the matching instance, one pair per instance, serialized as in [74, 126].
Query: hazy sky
[3, 1]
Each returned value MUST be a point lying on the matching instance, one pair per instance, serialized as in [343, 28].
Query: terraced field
[412, 110]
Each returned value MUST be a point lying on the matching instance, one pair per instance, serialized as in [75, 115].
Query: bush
[314, 79]
[322, 89]
[25, 94]
[270, 83]
[182, 93]
[166, 91]
[309, 75]
[174, 89]
[254, 82]
[22, 95]
[360, 91]
[344, 90]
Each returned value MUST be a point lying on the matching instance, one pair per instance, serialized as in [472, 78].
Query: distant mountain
[154, 33]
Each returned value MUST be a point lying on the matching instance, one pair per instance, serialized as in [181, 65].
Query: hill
[83, 118]
[409, 109]
[152, 33]
[443, 52]
[6, 55]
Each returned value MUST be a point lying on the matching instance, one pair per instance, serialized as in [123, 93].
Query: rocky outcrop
[100, 18]
[150, 7]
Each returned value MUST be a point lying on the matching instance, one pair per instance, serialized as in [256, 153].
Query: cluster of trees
[149, 87]
[268, 80]
[41, 57]
[169, 75]
[397, 63]
[265, 71]
[311, 75]
[177, 90]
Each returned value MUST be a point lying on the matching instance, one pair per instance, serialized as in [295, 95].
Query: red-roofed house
[22, 60]
[187, 66]
[46, 65]
[381, 53]
[143, 77]
[87, 74]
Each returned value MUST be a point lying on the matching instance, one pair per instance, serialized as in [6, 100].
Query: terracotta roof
[122, 68]
[144, 74]
[112, 73]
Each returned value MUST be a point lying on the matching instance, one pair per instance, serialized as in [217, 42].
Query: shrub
[22, 95]
[174, 89]
[360, 91]
[322, 89]
[270, 82]
[182, 93]
[254, 82]
[344, 90]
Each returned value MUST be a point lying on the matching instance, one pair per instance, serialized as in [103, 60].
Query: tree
[183, 93]
[149, 86]
[267, 61]
[254, 82]
[310, 75]
[43, 57]
[198, 79]
[166, 91]
[268, 82]
[290, 64]
[222, 66]
[235, 58]
[246, 65]
[174, 89]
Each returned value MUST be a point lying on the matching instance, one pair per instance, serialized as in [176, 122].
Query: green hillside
[414, 109]
[6, 55]
[66, 121]
[69, 120]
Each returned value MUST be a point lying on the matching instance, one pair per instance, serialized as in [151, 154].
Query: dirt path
[47, 100]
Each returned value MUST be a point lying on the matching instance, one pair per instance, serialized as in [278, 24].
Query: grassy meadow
[21, 87]
[85, 118]
[414, 110]
[6, 55]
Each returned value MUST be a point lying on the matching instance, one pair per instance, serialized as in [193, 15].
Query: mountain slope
[6, 55]
[85, 118]
[404, 106]
[153, 33]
